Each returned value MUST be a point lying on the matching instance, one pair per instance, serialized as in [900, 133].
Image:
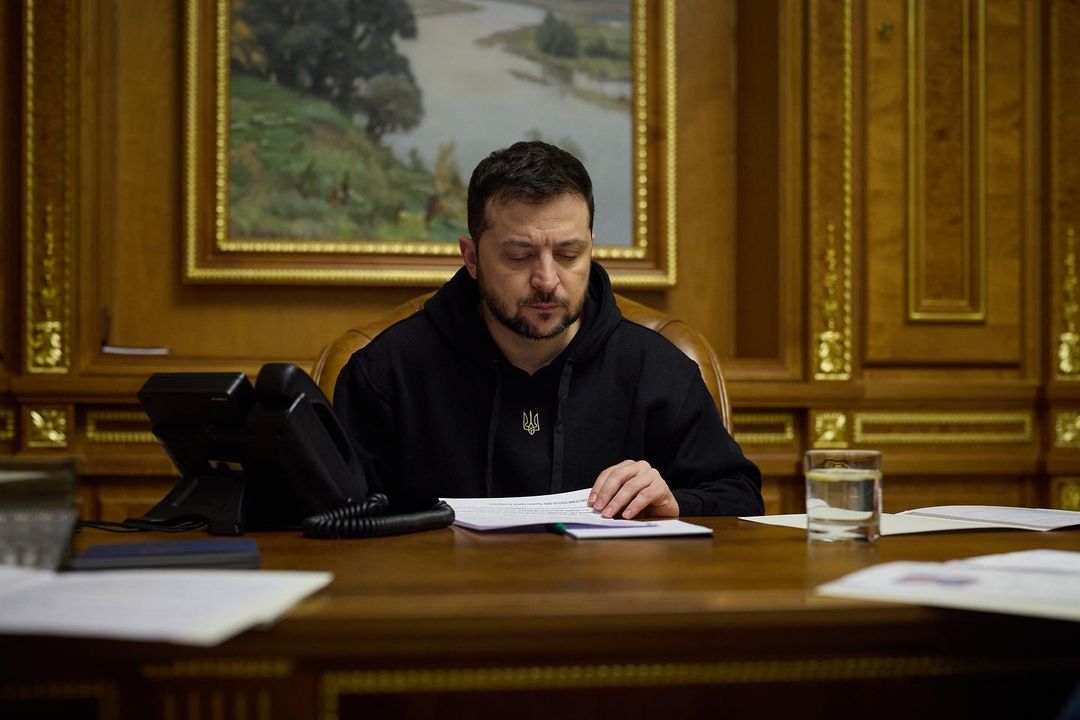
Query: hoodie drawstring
[557, 449]
[493, 424]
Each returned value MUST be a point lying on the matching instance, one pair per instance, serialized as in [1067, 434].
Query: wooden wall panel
[947, 132]
[1062, 244]
[10, 150]
[1063, 236]
[705, 34]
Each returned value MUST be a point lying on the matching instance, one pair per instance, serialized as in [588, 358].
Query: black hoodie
[437, 411]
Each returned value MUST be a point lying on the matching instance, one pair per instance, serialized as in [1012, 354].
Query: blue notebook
[225, 554]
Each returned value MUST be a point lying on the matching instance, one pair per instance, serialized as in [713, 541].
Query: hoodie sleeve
[702, 463]
[368, 419]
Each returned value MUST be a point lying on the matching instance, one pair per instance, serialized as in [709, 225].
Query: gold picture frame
[211, 256]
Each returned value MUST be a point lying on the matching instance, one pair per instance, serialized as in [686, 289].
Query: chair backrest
[690, 341]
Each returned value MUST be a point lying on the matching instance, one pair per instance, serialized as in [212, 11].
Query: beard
[512, 318]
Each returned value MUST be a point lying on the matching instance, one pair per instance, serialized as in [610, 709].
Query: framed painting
[331, 141]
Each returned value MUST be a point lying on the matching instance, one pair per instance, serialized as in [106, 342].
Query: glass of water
[843, 495]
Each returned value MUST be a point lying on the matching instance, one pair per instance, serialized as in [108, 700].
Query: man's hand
[633, 486]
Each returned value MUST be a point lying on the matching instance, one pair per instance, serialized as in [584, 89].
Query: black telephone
[266, 457]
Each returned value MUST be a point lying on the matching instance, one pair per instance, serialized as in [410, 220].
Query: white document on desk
[1040, 583]
[912, 521]
[901, 524]
[1041, 519]
[512, 512]
[651, 529]
[189, 607]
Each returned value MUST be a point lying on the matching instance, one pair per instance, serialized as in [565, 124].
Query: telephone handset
[269, 457]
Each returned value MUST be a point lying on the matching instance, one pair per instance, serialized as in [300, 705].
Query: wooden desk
[537, 624]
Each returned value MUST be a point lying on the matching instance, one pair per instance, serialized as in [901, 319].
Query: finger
[647, 488]
[656, 500]
[618, 476]
[626, 493]
[601, 480]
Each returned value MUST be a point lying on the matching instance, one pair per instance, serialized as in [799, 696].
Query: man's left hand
[633, 487]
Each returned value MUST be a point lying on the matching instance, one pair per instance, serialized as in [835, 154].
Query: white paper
[190, 607]
[902, 524]
[1038, 583]
[1041, 519]
[502, 513]
[655, 528]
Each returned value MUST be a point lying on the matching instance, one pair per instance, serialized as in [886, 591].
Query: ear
[467, 246]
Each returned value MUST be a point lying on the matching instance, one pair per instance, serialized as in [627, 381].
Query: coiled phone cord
[365, 519]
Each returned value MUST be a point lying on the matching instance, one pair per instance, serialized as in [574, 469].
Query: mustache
[542, 298]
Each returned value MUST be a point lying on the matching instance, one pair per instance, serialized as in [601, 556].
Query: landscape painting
[360, 120]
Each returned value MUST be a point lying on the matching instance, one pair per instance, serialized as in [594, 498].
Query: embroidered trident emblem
[530, 422]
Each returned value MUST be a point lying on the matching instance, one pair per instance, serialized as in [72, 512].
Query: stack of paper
[1041, 583]
[191, 607]
[568, 512]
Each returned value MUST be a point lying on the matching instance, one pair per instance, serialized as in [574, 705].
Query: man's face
[532, 264]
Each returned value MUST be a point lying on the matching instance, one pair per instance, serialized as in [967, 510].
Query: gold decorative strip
[333, 685]
[7, 424]
[105, 695]
[772, 428]
[639, 142]
[972, 306]
[47, 307]
[95, 419]
[1067, 429]
[671, 126]
[48, 428]
[1068, 494]
[944, 428]
[834, 343]
[848, 187]
[640, 165]
[831, 430]
[223, 668]
[1068, 351]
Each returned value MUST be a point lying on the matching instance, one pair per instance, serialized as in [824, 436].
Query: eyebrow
[514, 242]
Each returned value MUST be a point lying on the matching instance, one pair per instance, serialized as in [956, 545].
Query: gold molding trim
[224, 668]
[1017, 427]
[1068, 351]
[834, 343]
[671, 160]
[7, 424]
[333, 685]
[665, 277]
[95, 418]
[833, 352]
[48, 428]
[1068, 493]
[831, 430]
[938, 310]
[1067, 429]
[784, 421]
[48, 306]
[105, 694]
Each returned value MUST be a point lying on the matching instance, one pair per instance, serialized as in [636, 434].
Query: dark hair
[530, 171]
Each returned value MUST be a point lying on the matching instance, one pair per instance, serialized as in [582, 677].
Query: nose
[544, 275]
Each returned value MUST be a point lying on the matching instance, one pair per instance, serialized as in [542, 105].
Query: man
[521, 377]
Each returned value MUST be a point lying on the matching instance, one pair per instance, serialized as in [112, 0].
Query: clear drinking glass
[843, 495]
